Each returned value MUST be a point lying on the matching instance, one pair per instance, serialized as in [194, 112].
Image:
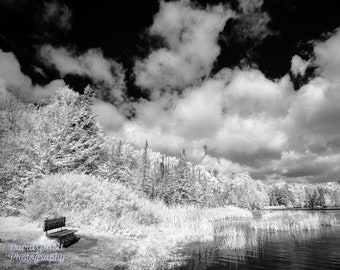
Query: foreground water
[250, 249]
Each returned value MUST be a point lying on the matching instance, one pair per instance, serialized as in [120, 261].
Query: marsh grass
[179, 226]
[235, 235]
[292, 221]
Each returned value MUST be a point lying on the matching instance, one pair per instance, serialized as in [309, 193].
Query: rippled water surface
[317, 249]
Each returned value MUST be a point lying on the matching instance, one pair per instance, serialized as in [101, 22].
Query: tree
[146, 170]
[314, 202]
[283, 195]
[17, 167]
[59, 136]
[69, 138]
[321, 197]
[114, 165]
[183, 192]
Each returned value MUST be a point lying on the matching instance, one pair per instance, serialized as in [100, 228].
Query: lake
[250, 249]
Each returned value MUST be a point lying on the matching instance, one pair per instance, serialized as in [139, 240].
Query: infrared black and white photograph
[169, 135]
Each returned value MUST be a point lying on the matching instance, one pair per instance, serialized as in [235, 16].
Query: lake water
[250, 249]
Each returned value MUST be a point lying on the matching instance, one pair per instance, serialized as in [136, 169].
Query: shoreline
[156, 248]
[304, 209]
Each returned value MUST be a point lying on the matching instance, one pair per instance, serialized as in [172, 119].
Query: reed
[183, 224]
[292, 221]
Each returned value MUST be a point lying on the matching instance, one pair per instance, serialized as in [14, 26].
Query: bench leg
[68, 240]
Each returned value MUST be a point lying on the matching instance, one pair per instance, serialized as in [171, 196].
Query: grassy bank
[179, 225]
[292, 221]
[98, 206]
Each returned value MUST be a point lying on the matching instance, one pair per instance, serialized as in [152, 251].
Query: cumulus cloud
[223, 165]
[190, 35]
[308, 166]
[105, 72]
[236, 117]
[243, 121]
[108, 116]
[15, 84]
[237, 120]
[58, 14]
[44, 92]
[298, 65]
[327, 56]
[10, 71]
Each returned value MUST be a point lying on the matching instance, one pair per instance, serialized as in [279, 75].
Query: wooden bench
[63, 236]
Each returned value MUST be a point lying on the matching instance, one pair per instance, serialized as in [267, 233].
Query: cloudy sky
[242, 85]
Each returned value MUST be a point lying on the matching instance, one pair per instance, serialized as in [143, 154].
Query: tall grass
[181, 225]
[292, 221]
[99, 206]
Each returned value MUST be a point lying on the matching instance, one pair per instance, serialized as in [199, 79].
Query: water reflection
[237, 246]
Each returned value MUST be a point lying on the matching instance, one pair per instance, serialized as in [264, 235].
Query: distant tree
[183, 192]
[273, 199]
[314, 199]
[115, 164]
[321, 198]
[283, 195]
[146, 186]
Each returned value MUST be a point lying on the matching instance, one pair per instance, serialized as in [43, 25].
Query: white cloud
[198, 114]
[249, 122]
[13, 83]
[92, 64]
[10, 71]
[238, 117]
[44, 92]
[327, 56]
[250, 92]
[223, 165]
[39, 70]
[108, 116]
[299, 66]
[237, 120]
[190, 34]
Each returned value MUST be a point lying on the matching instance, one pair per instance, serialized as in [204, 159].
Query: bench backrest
[55, 223]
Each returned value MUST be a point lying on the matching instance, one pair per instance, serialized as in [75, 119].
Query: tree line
[62, 135]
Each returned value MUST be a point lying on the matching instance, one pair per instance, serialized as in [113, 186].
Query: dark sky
[119, 29]
[242, 85]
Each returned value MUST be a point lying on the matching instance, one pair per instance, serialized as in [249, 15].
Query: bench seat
[61, 233]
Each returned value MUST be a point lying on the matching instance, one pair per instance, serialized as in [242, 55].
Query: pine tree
[145, 169]
[184, 186]
[67, 136]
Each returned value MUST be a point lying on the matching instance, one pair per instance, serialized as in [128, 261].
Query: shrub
[87, 200]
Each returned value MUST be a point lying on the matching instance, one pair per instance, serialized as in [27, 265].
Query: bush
[87, 200]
